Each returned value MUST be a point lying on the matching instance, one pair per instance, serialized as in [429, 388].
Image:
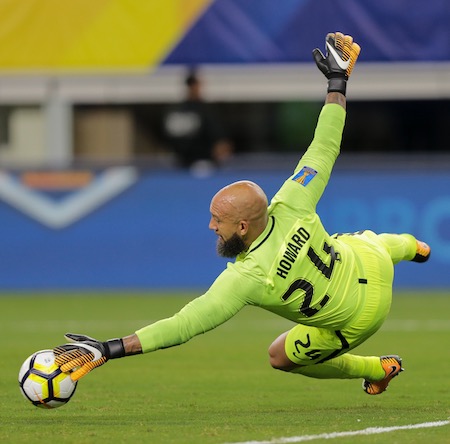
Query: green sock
[401, 247]
[346, 366]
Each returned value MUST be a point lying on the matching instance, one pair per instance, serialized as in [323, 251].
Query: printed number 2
[307, 287]
[312, 354]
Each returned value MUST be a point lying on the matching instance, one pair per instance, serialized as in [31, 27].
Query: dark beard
[231, 247]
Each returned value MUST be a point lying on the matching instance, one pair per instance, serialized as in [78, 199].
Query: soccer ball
[43, 383]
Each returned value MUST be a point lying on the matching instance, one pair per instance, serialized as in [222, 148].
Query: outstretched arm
[314, 168]
[229, 294]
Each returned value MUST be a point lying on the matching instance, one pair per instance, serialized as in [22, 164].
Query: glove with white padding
[84, 353]
[337, 65]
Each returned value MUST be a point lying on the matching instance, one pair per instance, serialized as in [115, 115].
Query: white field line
[368, 431]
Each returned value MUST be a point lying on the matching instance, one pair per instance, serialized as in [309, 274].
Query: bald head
[244, 204]
[243, 200]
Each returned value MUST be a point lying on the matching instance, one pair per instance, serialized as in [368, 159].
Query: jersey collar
[263, 236]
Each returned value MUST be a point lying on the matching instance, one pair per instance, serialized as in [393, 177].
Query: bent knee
[277, 355]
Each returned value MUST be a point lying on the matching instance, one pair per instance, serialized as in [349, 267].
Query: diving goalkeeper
[336, 288]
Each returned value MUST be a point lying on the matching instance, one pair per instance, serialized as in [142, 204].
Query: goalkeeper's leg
[400, 247]
[346, 366]
[306, 350]
[289, 354]
[405, 247]
[324, 354]
[376, 371]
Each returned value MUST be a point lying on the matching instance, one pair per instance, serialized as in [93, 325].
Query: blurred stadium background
[91, 199]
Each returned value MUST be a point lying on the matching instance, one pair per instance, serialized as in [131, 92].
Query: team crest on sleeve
[304, 176]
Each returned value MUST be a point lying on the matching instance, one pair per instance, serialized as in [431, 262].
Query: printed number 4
[308, 288]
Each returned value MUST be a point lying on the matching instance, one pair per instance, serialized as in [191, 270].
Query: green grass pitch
[219, 387]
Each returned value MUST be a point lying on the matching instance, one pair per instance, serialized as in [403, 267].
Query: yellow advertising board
[92, 35]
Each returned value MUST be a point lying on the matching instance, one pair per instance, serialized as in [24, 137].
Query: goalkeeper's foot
[423, 252]
[392, 366]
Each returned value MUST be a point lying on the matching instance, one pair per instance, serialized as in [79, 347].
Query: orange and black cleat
[392, 365]
[423, 252]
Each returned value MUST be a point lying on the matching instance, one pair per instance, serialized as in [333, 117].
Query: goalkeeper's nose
[213, 225]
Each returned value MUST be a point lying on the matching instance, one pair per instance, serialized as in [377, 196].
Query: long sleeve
[313, 171]
[228, 294]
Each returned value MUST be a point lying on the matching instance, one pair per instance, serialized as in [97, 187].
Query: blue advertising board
[153, 233]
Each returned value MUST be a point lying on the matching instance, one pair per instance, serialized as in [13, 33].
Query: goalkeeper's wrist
[114, 348]
[337, 84]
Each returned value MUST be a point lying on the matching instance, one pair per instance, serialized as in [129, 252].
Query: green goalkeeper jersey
[294, 268]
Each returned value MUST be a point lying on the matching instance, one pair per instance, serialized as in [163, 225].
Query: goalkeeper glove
[84, 354]
[337, 65]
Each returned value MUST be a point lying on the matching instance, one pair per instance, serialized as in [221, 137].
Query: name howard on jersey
[297, 242]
